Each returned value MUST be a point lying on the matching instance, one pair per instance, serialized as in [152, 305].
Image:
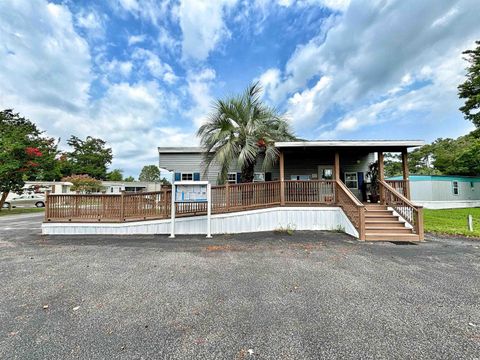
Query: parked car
[25, 200]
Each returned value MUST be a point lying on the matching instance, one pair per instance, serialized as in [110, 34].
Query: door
[325, 172]
[326, 191]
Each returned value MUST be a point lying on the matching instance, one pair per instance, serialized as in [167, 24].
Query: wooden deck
[240, 197]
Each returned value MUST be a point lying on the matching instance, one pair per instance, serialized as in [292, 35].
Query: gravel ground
[255, 296]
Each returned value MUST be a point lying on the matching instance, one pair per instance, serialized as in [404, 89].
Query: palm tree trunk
[247, 172]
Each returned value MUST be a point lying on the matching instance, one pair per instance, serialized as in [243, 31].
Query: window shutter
[196, 176]
[239, 178]
[178, 176]
[268, 176]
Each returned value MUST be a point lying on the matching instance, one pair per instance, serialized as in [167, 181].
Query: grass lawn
[452, 221]
[15, 211]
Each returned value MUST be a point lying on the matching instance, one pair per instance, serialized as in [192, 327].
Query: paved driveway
[264, 295]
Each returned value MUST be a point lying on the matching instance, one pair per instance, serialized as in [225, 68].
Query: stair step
[387, 230]
[391, 237]
[379, 212]
[380, 216]
[375, 206]
[384, 223]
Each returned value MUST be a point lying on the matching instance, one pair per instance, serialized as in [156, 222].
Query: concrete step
[391, 237]
[387, 230]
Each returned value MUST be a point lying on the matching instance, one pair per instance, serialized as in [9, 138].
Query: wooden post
[47, 193]
[381, 176]
[122, 205]
[420, 223]
[406, 181]
[361, 217]
[282, 179]
[336, 170]
[227, 196]
[165, 204]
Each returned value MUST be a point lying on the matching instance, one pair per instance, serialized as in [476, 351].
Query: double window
[232, 178]
[455, 187]
[187, 176]
[351, 180]
[259, 177]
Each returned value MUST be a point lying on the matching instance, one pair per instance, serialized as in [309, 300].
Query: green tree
[89, 156]
[470, 89]
[84, 183]
[239, 130]
[20, 154]
[149, 173]
[129, 179]
[448, 156]
[115, 175]
[392, 164]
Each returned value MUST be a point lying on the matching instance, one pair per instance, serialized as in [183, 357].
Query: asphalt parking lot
[256, 296]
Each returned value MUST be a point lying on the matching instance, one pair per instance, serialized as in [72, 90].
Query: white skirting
[297, 218]
[448, 204]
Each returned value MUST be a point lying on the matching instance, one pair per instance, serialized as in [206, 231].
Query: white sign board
[191, 192]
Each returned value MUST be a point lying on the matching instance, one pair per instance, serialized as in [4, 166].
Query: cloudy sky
[143, 73]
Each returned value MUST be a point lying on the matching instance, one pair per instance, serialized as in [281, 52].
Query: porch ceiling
[370, 145]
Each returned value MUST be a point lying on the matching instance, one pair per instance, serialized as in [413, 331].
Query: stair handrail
[353, 208]
[411, 212]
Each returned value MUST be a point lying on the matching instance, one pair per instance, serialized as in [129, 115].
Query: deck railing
[401, 186]
[352, 207]
[225, 198]
[413, 214]
[310, 192]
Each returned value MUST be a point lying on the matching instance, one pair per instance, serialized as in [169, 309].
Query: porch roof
[380, 145]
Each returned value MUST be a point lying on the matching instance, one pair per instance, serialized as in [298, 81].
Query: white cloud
[339, 5]
[153, 11]
[116, 67]
[199, 84]
[136, 39]
[44, 61]
[378, 50]
[155, 66]
[202, 25]
[46, 76]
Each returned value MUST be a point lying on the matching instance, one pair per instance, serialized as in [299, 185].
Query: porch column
[337, 166]
[282, 179]
[406, 182]
[381, 176]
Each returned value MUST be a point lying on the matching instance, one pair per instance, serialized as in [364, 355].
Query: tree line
[28, 154]
[448, 156]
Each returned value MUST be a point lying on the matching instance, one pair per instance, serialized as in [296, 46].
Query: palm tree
[241, 128]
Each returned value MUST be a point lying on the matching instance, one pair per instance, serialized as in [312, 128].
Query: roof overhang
[377, 144]
[180, 149]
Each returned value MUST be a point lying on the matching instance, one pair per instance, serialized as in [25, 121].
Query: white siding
[298, 218]
[442, 190]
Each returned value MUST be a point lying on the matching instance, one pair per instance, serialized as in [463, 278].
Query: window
[351, 180]
[258, 177]
[455, 187]
[300, 177]
[327, 174]
[232, 178]
[187, 176]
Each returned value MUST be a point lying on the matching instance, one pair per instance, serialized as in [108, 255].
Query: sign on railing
[188, 192]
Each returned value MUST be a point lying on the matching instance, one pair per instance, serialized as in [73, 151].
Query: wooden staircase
[382, 225]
